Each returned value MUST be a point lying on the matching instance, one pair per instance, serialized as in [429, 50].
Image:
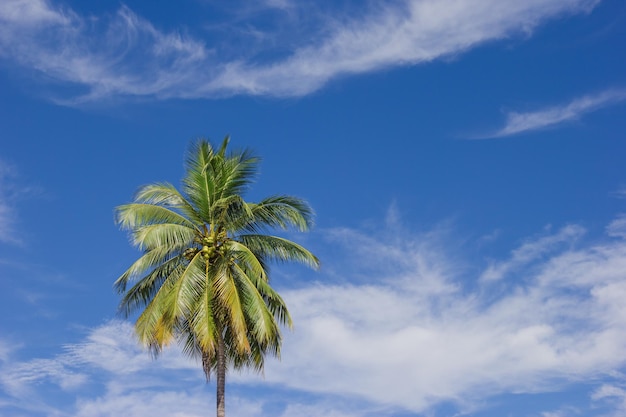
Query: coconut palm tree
[203, 276]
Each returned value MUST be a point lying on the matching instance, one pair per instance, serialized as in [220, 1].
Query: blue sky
[464, 159]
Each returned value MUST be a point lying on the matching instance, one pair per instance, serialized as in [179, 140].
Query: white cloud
[614, 395]
[396, 342]
[144, 403]
[278, 4]
[30, 13]
[531, 251]
[19, 377]
[617, 228]
[552, 116]
[127, 55]
[5, 351]
[606, 391]
[417, 32]
[111, 347]
[111, 359]
[563, 412]
[326, 410]
[407, 329]
[620, 193]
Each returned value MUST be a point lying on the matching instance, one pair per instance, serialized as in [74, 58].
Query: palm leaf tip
[224, 145]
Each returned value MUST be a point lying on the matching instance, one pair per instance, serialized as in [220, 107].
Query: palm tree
[203, 276]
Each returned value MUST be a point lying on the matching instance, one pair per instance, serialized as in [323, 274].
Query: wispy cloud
[5, 350]
[8, 234]
[532, 250]
[403, 340]
[617, 228]
[12, 191]
[613, 394]
[126, 55]
[413, 331]
[524, 122]
[566, 411]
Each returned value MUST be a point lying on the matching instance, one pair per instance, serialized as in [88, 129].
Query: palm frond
[170, 235]
[188, 289]
[260, 320]
[236, 172]
[140, 294]
[232, 212]
[170, 305]
[161, 193]
[154, 327]
[131, 216]
[245, 256]
[199, 184]
[167, 195]
[227, 294]
[149, 260]
[274, 301]
[279, 249]
[202, 322]
[222, 150]
[253, 360]
[282, 212]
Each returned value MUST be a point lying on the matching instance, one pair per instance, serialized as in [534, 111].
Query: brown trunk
[221, 376]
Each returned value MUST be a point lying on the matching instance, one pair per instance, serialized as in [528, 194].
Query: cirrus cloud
[126, 55]
[517, 122]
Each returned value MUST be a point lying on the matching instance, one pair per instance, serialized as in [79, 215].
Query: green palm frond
[245, 256]
[231, 212]
[131, 216]
[149, 260]
[161, 193]
[282, 212]
[198, 184]
[167, 195]
[260, 318]
[222, 150]
[254, 360]
[202, 324]
[226, 290]
[279, 249]
[170, 304]
[168, 235]
[237, 171]
[274, 301]
[154, 327]
[187, 289]
[142, 293]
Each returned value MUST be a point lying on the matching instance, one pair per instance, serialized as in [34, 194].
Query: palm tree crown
[203, 275]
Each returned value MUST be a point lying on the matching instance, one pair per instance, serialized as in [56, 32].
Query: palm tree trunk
[221, 376]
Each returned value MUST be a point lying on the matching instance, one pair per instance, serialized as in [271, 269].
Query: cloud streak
[517, 123]
[533, 250]
[126, 55]
[12, 192]
[8, 234]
